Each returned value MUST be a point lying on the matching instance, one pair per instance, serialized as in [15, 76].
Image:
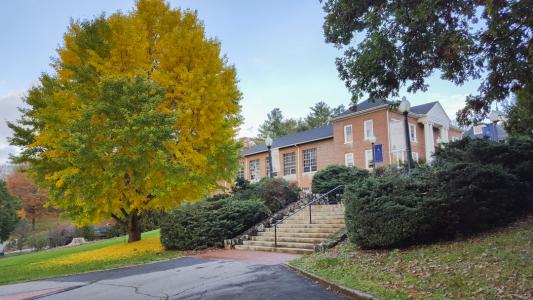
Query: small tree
[8, 212]
[32, 198]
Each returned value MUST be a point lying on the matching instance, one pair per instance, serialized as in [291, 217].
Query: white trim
[412, 138]
[347, 157]
[360, 112]
[346, 140]
[368, 158]
[415, 156]
[365, 125]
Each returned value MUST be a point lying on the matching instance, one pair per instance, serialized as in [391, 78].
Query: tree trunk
[33, 224]
[134, 227]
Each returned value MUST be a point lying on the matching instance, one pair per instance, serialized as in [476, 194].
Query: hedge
[207, 224]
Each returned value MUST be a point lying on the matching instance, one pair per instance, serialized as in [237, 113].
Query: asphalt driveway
[203, 277]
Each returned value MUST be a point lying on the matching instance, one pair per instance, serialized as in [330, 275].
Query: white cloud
[9, 104]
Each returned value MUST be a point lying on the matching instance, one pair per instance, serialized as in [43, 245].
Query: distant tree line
[277, 125]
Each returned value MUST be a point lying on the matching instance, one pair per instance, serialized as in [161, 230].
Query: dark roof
[314, 134]
[501, 132]
[363, 106]
[423, 109]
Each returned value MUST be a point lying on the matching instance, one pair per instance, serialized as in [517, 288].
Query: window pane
[348, 159]
[348, 134]
[289, 163]
[310, 160]
[254, 169]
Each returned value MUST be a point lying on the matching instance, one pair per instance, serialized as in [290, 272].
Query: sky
[276, 46]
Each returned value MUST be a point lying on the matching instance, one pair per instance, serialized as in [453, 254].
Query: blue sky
[277, 47]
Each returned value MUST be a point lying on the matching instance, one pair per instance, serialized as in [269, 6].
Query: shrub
[475, 197]
[336, 175]
[38, 242]
[207, 224]
[21, 234]
[386, 211]
[276, 193]
[435, 203]
[86, 232]
[61, 235]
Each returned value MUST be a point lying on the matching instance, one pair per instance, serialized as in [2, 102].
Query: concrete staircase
[296, 235]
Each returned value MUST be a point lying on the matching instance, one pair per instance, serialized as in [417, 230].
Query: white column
[444, 134]
[428, 140]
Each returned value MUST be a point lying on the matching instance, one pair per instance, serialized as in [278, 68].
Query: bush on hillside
[387, 211]
[435, 203]
[336, 175]
[208, 223]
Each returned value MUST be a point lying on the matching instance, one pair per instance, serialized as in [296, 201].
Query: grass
[100, 255]
[493, 265]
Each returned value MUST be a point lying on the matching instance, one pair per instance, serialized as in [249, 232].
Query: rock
[77, 241]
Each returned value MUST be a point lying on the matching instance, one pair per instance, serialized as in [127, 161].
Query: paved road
[182, 278]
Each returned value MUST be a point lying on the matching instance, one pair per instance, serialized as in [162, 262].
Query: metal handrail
[310, 203]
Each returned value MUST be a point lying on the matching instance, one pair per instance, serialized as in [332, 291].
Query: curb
[339, 289]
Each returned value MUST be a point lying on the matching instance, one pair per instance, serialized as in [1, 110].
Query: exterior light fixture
[404, 108]
[268, 143]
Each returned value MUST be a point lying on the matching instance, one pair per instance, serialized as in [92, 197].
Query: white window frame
[454, 138]
[366, 127]
[240, 173]
[310, 160]
[412, 129]
[368, 158]
[348, 138]
[255, 171]
[478, 129]
[292, 167]
[349, 160]
[415, 156]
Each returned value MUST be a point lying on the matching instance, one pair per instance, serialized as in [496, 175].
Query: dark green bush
[208, 223]
[387, 211]
[86, 232]
[436, 203]
[38, 242]
[336, 175]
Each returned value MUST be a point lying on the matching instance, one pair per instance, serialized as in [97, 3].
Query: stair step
[314, 221]
[295, 239]
[296, 234]
[306, 225]
[280, 244]
[273, 249]
[304, 230]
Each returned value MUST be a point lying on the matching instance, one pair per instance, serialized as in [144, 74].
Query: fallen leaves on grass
[116, 252]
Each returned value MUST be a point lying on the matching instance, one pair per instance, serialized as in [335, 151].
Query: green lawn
[94, 256]
[490, 266]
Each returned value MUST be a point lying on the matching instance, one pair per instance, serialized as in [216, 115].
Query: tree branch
[118, 219]
[124, 213]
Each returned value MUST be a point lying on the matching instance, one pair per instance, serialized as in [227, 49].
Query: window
[369, 129]
[454, 138]
[289, 163]
[240, 174]
[255, 170]
[368, 159]
[348, 136]
[415, 156]
[412, 132]
[309, 160]
[348, 159]
[478, 129]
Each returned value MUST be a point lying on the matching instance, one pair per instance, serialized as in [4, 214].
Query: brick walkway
[250, 257]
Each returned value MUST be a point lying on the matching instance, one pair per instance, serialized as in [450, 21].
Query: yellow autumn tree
[140, 113]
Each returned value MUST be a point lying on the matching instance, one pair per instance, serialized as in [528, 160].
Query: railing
[310, 204]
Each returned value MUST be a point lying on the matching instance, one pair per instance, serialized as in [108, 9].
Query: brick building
[296, 157]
